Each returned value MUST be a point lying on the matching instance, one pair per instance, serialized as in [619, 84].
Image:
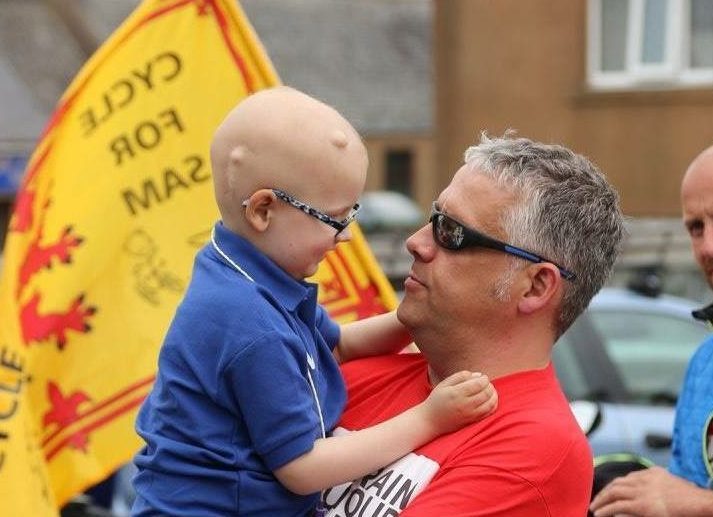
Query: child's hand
[460, 399]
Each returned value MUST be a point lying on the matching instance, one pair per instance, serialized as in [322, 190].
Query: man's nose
[421, 245]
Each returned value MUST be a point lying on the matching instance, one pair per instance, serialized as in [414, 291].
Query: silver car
[628, 354]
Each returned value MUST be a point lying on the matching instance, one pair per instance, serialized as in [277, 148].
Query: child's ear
[258, 209]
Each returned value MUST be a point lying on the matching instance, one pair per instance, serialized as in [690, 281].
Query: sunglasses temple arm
[566, 274]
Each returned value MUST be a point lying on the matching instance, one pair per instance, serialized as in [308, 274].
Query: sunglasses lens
[448, 233]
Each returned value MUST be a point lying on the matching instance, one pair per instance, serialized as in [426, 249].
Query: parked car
[389, 211]
[628, 354]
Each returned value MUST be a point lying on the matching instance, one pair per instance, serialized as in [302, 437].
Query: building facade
[629, 83]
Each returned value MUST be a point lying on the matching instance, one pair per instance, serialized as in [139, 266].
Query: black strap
[704, 313]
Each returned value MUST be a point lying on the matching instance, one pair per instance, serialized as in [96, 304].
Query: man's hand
[460, 399]
[653, 492]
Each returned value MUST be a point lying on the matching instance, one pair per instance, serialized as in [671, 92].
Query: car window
[651, 350]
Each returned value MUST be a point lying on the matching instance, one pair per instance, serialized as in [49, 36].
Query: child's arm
[458, 400]
[377, 335]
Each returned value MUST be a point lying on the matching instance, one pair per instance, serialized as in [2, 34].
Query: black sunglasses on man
[453, 235]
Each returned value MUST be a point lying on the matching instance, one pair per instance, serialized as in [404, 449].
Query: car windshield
[650, 350]
[628, 348]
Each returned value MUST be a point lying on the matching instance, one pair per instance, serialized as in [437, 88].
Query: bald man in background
[685, 488]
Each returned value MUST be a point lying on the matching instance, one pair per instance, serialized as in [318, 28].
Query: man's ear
[258, 209]
[544, 282]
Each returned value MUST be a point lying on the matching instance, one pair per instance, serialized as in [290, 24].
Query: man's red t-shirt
[528, 459]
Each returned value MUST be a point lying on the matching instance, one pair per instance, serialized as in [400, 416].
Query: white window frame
[673, 71]
[691, 76]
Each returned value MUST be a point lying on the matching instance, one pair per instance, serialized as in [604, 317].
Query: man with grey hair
[516, 246]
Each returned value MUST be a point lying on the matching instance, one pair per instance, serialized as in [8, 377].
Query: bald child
[248, 386]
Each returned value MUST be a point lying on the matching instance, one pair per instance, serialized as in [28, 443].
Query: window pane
[615, 15]
[654, 31]
[701, 33]
[399, 171]
[651, 350]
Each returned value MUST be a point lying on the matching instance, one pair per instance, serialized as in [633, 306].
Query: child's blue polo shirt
[232, 399]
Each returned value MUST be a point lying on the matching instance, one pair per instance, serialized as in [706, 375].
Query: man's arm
[381, 334]
[457, 401]
[653, 492]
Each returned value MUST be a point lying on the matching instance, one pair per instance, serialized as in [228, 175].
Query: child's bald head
[285, 139]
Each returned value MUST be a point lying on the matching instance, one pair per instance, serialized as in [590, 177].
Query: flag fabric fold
[115, 202]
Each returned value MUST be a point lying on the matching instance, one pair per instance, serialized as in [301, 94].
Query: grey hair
[566, 211]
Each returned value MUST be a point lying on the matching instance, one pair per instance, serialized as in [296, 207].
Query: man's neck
[494, 358]
[435, 376]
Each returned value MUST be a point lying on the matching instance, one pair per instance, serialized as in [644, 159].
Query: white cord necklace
[227, 258]
[316, 398]
[310, 361]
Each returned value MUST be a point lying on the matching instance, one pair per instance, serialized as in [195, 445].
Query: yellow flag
[115, 203]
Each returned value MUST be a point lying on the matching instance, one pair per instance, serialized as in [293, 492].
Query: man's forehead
[698, 180]
[477, 199]
[697, 189]
[470, 182]
[700, 167]
[706, 154]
